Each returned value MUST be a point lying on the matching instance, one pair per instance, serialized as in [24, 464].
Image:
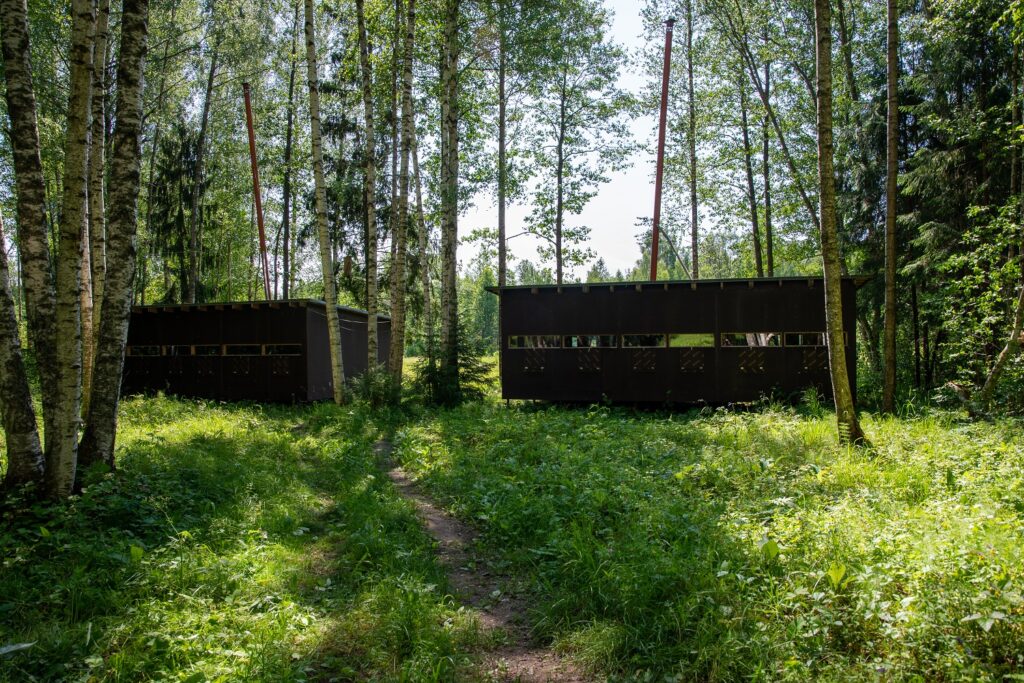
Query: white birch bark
[397, 351]
[62, 441]
[122, 227]
[369, 191]
[24, 451]
[846, 413]
[326, 260]
[31, 202]
[94, 250]
[449, 196]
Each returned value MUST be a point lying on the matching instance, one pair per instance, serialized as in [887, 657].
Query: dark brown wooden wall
[278, 378]
[686, 375]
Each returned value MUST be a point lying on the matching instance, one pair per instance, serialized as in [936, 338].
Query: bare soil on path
[495, 597]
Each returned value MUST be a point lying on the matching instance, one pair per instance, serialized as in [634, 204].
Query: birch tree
[369, 190]
[122, 228]
[30, 193]
[62, 441]
[846, 413]
[397, 351]
[24, 452]
[449, 191]
[320, 209]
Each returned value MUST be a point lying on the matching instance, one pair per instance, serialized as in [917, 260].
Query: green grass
[236, 543]
[719, 545]
[265, 543]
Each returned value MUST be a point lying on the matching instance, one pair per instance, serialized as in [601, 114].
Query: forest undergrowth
[265, 543]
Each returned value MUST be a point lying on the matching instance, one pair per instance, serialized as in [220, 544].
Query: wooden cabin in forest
[274, 351]
[692, 341]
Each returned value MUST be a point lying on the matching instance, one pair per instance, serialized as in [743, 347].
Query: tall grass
[720, 545]
[236, 543]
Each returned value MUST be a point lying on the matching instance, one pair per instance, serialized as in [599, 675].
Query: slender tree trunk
[846, 49]
[154, 148]
[395, 141]
[769, 240]
[25, 463]
[62, 442]
[30, 184]
[286, 190]
[502, 150]
[193, 232]
[846, 413]
[691, 115]
[502, 163]
[751, 192]
[94, 249]
[917, 335]
[449, 197]
[122, 227]
[369, 191]
[320, 188]
[891, 169]
[423, 239]
[397, 355]
[560, 181]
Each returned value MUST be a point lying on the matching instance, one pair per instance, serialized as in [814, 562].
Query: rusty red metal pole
[256, 191]
[661, 149]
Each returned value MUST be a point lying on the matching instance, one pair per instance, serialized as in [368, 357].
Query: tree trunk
[197, 191]
[769, 240]
[891, 169]
[846, 414]
[751, 192]
[691, 114]
[846, 49]
[25, 463]
[502, 163]
[30, 185]
[917, 335]
[560, 181]
[155, 146]
[397, 351]
[502, 149]
[62, 441]
[286, 190]
[369, 191]
[320, 190]
[122, 227]
[449, 187]
[423, 239]
[94, 248]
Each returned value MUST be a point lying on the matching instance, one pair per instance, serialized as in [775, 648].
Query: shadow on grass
[235, 541]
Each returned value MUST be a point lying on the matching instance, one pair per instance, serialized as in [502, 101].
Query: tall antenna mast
[661, 149]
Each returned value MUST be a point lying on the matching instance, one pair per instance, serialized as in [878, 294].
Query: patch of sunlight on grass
[720, 545]
[234, 543]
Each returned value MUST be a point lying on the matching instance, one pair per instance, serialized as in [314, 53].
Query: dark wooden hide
[714, 341]
[274, 351]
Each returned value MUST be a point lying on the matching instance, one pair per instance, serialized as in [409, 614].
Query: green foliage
[376, 387]
[434, 385]
[721, 546]
[981, 284]
[235, 543]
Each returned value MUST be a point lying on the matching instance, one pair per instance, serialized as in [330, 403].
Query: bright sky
[612, 215]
